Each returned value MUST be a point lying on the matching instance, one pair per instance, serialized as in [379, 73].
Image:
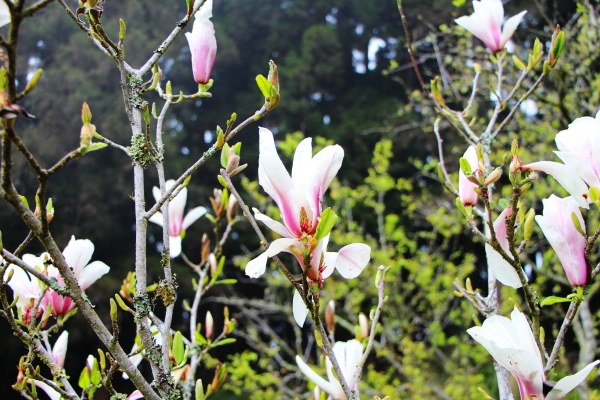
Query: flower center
[305, 223]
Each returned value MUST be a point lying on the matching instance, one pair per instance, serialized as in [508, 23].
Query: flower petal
[176, 207]
[4, 14]
[192, 216]
[53, 394]
[331, 388]
[352, 259]
[568, 383]
[156, 193]
[78, 254]
[257, 266]
[353, 355]
[273, 225]
[135, 395]
[59, 351]
[157, 218]
[566, 176]
[501, 269]
[581, 166]
[279, 245]
[174, 246]
[299, 309]
[302, 163]
[323, 168]
[330, 259]
[92, 273]
[275, 180]
[510, 26]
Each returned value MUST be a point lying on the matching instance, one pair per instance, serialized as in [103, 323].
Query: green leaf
[237, 148]
[224, 342]
[226, 282]
[200, 339]
[219, 270]
[95, 146]
[178, 347]
[555, 299]
[577, 224]
[225, 155]
[465, 166]
[559, 45]
[326, 222]
[84, 378]
[264, 85]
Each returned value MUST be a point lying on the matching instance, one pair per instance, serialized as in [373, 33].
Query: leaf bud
[232, 209]
[330, 317]
[33, 81]
[113, 310]
[199, 388]
[528, 225]
[168, 89]
[121, 303]
[436, 90]
[122, 29]
[493, 177]
[205, 247]
[525, 188]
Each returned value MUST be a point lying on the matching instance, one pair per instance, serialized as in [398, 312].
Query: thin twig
[560, 338]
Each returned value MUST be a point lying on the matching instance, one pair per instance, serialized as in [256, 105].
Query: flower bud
[493, 177]
[209, 326]
[203, 44]
[232, 209]
[363, 322]
[205, 247]
[533, 176]
[330, 317]
[212, 261]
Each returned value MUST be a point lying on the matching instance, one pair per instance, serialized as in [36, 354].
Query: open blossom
[569, 245]
[348, 355]
[501, 269]
[512, 344]
[77, 254]
[28, 288]
[579, 148]
[203, 44]
[466, 188]
[486, 22]
[177, 222]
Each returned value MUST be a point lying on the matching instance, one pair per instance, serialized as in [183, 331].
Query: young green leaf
[326, 223]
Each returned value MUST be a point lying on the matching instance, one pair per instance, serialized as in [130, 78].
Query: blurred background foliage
[345, 78]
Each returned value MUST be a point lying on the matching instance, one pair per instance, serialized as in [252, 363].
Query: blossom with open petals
[501, 269]
[177, 222]
[466, 188]
[203, 44]
[26, 287]
[512, 344]
[486, 22]
[348, 356]
[569, 245]
[77, 254]
[579, 148]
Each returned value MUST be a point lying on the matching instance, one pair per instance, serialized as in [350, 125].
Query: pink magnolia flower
[501, 269]
[512, 344]
[579, 148]
[26, 287]
[177, 222]
[299, 198]
[77, 255]
[486, 21]
[569, 245]
[466, 188]
[203, 44]
[348, 355]
[59, 351]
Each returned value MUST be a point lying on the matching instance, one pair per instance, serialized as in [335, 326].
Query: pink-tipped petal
[135, 395]
[352, 259]
[568, 383]
[299, 309]
[466, 188]
[92, 273]
[323, 168]
[302, 162]
[59, 351]
[257, 266]
[176, 208]
[53, 394]
[78, 254]
[203, 44]
[566, 176]
[192, 216]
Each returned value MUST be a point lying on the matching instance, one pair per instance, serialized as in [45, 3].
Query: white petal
[568, 383]
[501, 269]
[4, 14]
[157, 218]
[302, 162]
[257, 266]
[331, 388]
[567, 177]
[273, 225]
[299, 309]
[192, 216]
[510, 26]
[78, 254]
[522, 364]
[330, 259]
[23, 285]
[176, 207]
[353, 356]
[323, 168]
[135, 395]
[59, 351]
[53, 394]
[205, 11]
[279, 245]
[156, 193]
[581, 166]
[92, 273]
[352, 259]
[174, 246]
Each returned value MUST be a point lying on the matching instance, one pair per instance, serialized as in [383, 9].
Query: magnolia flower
[299, 199]
[203, 44]
[485, 23]
[59, 351]
[569, 245]
[77, 254]
[466, 188]
[579, 148]
[28, 288]
[512, 344]
[501, 269]
[52, 394]
[177, 223]
[4, 14]
[348, 356]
